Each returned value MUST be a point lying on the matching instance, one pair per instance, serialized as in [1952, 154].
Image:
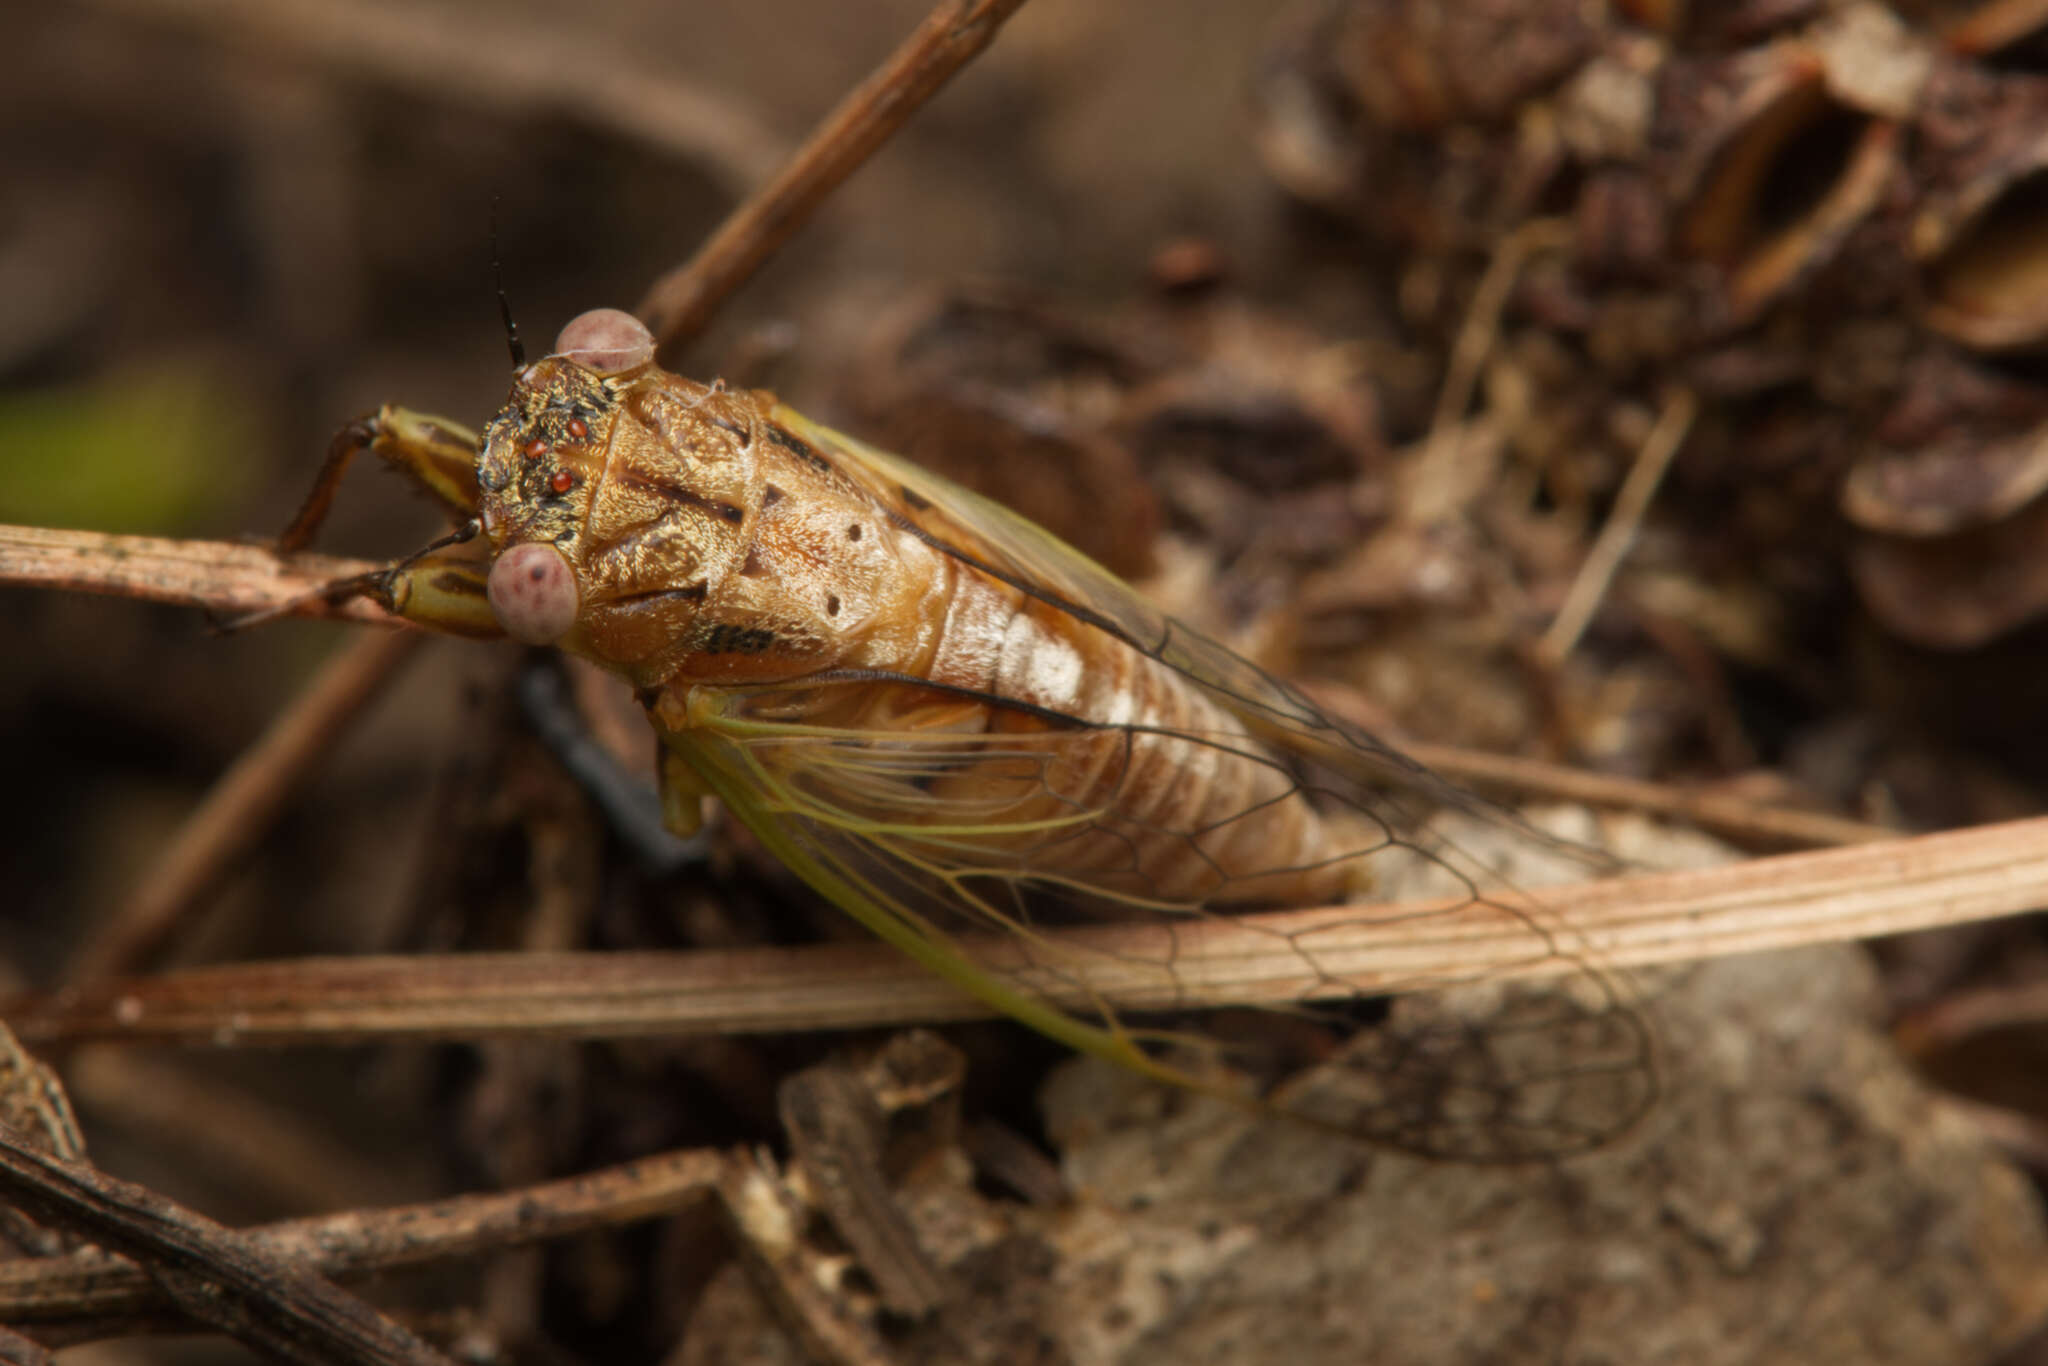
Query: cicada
[962, 731]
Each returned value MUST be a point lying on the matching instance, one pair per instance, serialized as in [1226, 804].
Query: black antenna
[512, 342]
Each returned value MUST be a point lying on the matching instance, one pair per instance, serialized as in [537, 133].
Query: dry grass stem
[217, 577]
[520, 70]
[1477, 337]
[1771, 903]
[1731, 817]
[92, 1294]
[220, 1277]
[1623, 522]
[272, 1151]
[1953, 1020]
[241, 807]
[679, 304]
[16, 1350]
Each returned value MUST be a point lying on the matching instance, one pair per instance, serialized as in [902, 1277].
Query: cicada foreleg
[436, 454]
[443, 586]
[683, 791]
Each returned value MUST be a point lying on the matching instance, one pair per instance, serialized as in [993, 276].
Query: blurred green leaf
[144, 451]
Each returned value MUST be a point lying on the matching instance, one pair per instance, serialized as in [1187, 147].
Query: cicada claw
[377, 585]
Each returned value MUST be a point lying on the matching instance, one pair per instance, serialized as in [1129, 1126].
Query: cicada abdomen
[961, 731]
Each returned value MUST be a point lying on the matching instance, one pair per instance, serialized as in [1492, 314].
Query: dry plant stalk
[215, 576]
[93, 1294]
[1834, 895]
[679, 304]
[220, 1277]
[521, 67]
[242, 805]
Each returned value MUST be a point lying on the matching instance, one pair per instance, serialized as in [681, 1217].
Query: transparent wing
[958, 849]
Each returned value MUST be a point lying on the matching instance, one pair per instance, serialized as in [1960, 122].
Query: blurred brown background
[1181, 278]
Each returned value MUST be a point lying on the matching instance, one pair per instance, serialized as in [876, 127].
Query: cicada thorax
[709, 546]
[708, 541]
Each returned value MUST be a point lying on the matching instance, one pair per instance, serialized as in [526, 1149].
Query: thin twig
[2023, 1136]
[275, 1154]
[242, 806]
[1768, 903]
[1956, 1019]
[521, 69]
[219, 1277]
[218, 577]
[1626, 518]
[16, 1350]
[1993, 26]
[790, 1273]
[1734, 818]
[684, 300]
[1476, 337]
[91, 1294]
[1507, 775]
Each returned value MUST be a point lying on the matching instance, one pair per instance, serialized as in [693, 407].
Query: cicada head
[613, 494]
[545, 451]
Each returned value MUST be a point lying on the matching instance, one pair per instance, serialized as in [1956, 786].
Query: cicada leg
[441, 589]
[436, 454]
[682, 795]
[443, 586]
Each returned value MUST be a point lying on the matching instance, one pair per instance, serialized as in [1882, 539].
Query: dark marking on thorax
[728, 639]
[800, 448]
[670, 489]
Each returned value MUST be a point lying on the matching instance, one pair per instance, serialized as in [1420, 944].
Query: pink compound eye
[607, 340]
[533, 593]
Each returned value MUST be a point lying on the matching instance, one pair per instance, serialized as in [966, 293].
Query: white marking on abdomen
[1038, 667]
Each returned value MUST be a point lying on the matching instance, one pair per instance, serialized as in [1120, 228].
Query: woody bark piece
[221, 1278]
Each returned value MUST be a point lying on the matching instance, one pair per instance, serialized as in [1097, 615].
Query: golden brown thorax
[709, 543]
